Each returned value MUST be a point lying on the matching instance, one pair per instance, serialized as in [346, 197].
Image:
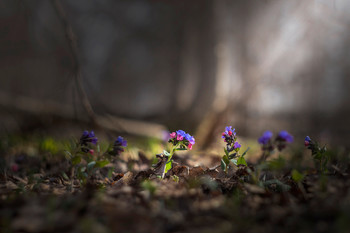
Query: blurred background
[147, 65]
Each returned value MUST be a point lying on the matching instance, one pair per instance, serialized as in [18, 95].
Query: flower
[228, 132]
[181, 136]
[190, 146]
[121, 142]
[117, 146]
[87, 138]
[190, 139]
[285, 136]
[265, 138]
[307, 141]
[173, 135]
[236, 145]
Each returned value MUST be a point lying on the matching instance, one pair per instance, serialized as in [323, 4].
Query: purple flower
[181, 135]
[229, 131]
[87, 138]
[85, 133]
[190, 139]
[285, 136]
[307, 141]
[118, 146]
[92, 137]
[121, 141]
[265, 138]
[236, 145]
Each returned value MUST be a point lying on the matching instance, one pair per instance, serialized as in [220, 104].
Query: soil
[39, 195]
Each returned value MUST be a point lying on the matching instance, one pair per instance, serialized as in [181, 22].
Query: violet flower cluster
[118, 146]
[181, 137]
[229, 136]
[280, 141]
[307, 141]
[86, 139]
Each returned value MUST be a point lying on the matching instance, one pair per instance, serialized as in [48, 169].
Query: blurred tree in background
[190, 64]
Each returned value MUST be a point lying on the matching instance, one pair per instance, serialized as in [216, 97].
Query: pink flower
[91, 151]
[179, 138]
[190, 146]
[173, 135]
[230, 133]
[306, 143]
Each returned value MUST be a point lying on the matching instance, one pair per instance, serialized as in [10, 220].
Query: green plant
[231, 150]
[319, 154]
[180, 140]
[86, 157]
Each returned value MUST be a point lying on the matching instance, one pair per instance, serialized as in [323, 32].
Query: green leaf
[245, 152]
[102, 163]
[166, 153]
[223, 165]
[297, 176]
[176, 178]
[168, 166]
[68, 155]
[226, 160]
[64, 175]
[241, 161]
[76, 159]
[234, 161]
[277, 163]
[91, 165]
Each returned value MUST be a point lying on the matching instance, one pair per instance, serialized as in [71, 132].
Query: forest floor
[38, 194]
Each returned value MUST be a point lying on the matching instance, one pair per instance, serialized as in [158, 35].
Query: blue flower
[229, 131]
[307, 141]
[236, 145]
[86, 138]
[85, 133]
[285, 136]
[265, 138]
[118, 145]
[182, 135]
[307, 138]
[192, 140]
[121, 141]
